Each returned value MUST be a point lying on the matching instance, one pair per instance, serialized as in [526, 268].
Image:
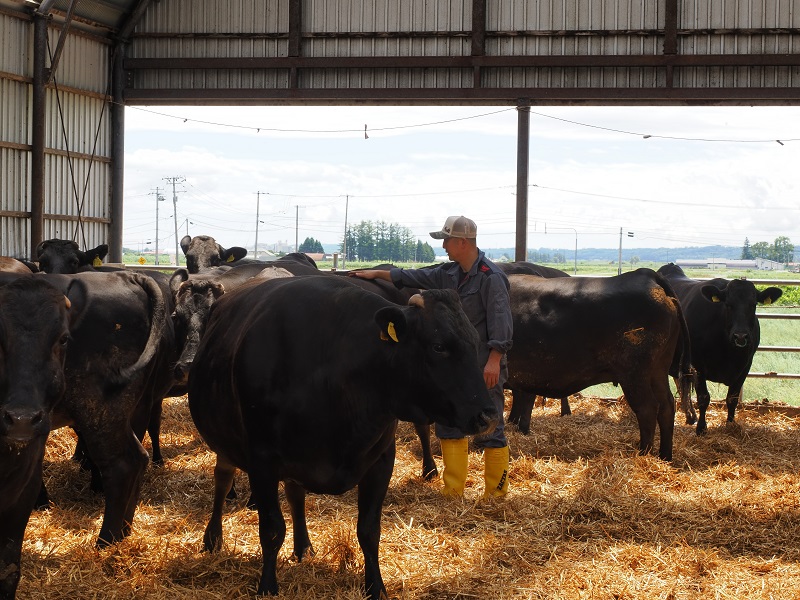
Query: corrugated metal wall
[332, 30]
[77, 140]
[14, 135]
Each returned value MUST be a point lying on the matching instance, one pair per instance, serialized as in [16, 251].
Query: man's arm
[372, 274]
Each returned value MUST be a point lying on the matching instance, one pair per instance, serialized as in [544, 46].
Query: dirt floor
[585, 518]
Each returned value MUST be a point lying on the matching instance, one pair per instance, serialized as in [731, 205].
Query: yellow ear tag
[97, 262]
[767, 301]
[715, 298]
[230, 258]
[391, 331]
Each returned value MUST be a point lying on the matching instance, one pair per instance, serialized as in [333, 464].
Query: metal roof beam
[450, 62]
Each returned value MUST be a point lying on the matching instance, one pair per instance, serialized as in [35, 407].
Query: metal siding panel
[15, 46]
[14, 112]
[84, 62]
[78, 130]
[212, 16]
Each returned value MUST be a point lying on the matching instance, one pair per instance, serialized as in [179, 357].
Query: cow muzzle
[741, 340]
[21, 425]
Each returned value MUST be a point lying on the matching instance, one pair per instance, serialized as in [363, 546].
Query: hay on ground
[586, 517]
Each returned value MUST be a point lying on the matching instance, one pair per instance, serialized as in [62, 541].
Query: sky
[671, 176]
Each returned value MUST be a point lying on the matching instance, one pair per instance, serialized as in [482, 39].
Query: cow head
[35, 320]
[203, 252]
[193, 301]
[439, 347]
[738, 301]
[64, 256]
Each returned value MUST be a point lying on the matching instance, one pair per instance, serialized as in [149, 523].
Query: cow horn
[417, 300]
[67, 302]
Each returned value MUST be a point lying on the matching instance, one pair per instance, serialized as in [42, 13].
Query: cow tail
[682, 361]
[158, 320]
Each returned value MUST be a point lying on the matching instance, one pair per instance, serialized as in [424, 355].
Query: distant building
[761, 264]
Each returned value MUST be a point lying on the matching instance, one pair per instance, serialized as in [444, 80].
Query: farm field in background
[773, 333]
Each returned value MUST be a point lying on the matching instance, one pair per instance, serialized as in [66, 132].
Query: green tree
[425, 253]
[783, 250]
[761, 250]
[747, 253]
[311, 245]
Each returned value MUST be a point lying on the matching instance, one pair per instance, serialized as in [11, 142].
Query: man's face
[454, 247]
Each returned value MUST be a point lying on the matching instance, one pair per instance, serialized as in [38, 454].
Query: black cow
[34, 332]
[112, 369]
[302, 380]
[724, 330]
[64, 256]
[195, 294]
[203, 252]
[529, 268]
[572, 333]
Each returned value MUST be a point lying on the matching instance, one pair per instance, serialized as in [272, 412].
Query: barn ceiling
[107, 18]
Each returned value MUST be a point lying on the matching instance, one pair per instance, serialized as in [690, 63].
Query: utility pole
[344, 245]
[159, 198]
[296, 226]
[258, 200]
[174, 181]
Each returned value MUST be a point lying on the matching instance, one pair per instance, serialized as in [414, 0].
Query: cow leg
[146, 418]
[371, 493]
[565, 409]
[154, 431]
[703, 400]
[271, 526]
[521, 409]
[666, 418]
[296, 497]
[223, 483]
[732, 399]
[12, 530]
[122, 461]
[646, 408]
[423, 430]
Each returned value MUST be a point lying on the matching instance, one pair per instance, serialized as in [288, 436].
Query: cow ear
[769, 295]
[712, 293]
[78, 297]
[233, 253]
[185, 240]
[94, 256]
[40, 249]
[392, 323]
[178, 277]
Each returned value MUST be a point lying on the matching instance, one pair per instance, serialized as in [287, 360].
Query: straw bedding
[585, 518]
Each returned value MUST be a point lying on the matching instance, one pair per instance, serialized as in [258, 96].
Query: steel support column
[523, 143]
[117, 153]
[38, 131]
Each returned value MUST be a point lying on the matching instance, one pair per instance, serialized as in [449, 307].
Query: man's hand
[491, 372]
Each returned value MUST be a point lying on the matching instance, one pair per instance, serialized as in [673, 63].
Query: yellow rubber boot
[455, 455]
[495, 471]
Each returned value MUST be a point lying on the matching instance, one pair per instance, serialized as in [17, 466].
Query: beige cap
[456, 226]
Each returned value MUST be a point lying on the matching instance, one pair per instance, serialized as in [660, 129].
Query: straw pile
[585, 518]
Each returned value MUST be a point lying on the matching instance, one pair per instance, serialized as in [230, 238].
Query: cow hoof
[431, 474]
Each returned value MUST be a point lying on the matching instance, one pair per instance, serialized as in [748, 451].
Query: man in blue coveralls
[484, 292]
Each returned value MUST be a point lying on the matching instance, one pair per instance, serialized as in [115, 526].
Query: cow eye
[439, 348]
[64, 339]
